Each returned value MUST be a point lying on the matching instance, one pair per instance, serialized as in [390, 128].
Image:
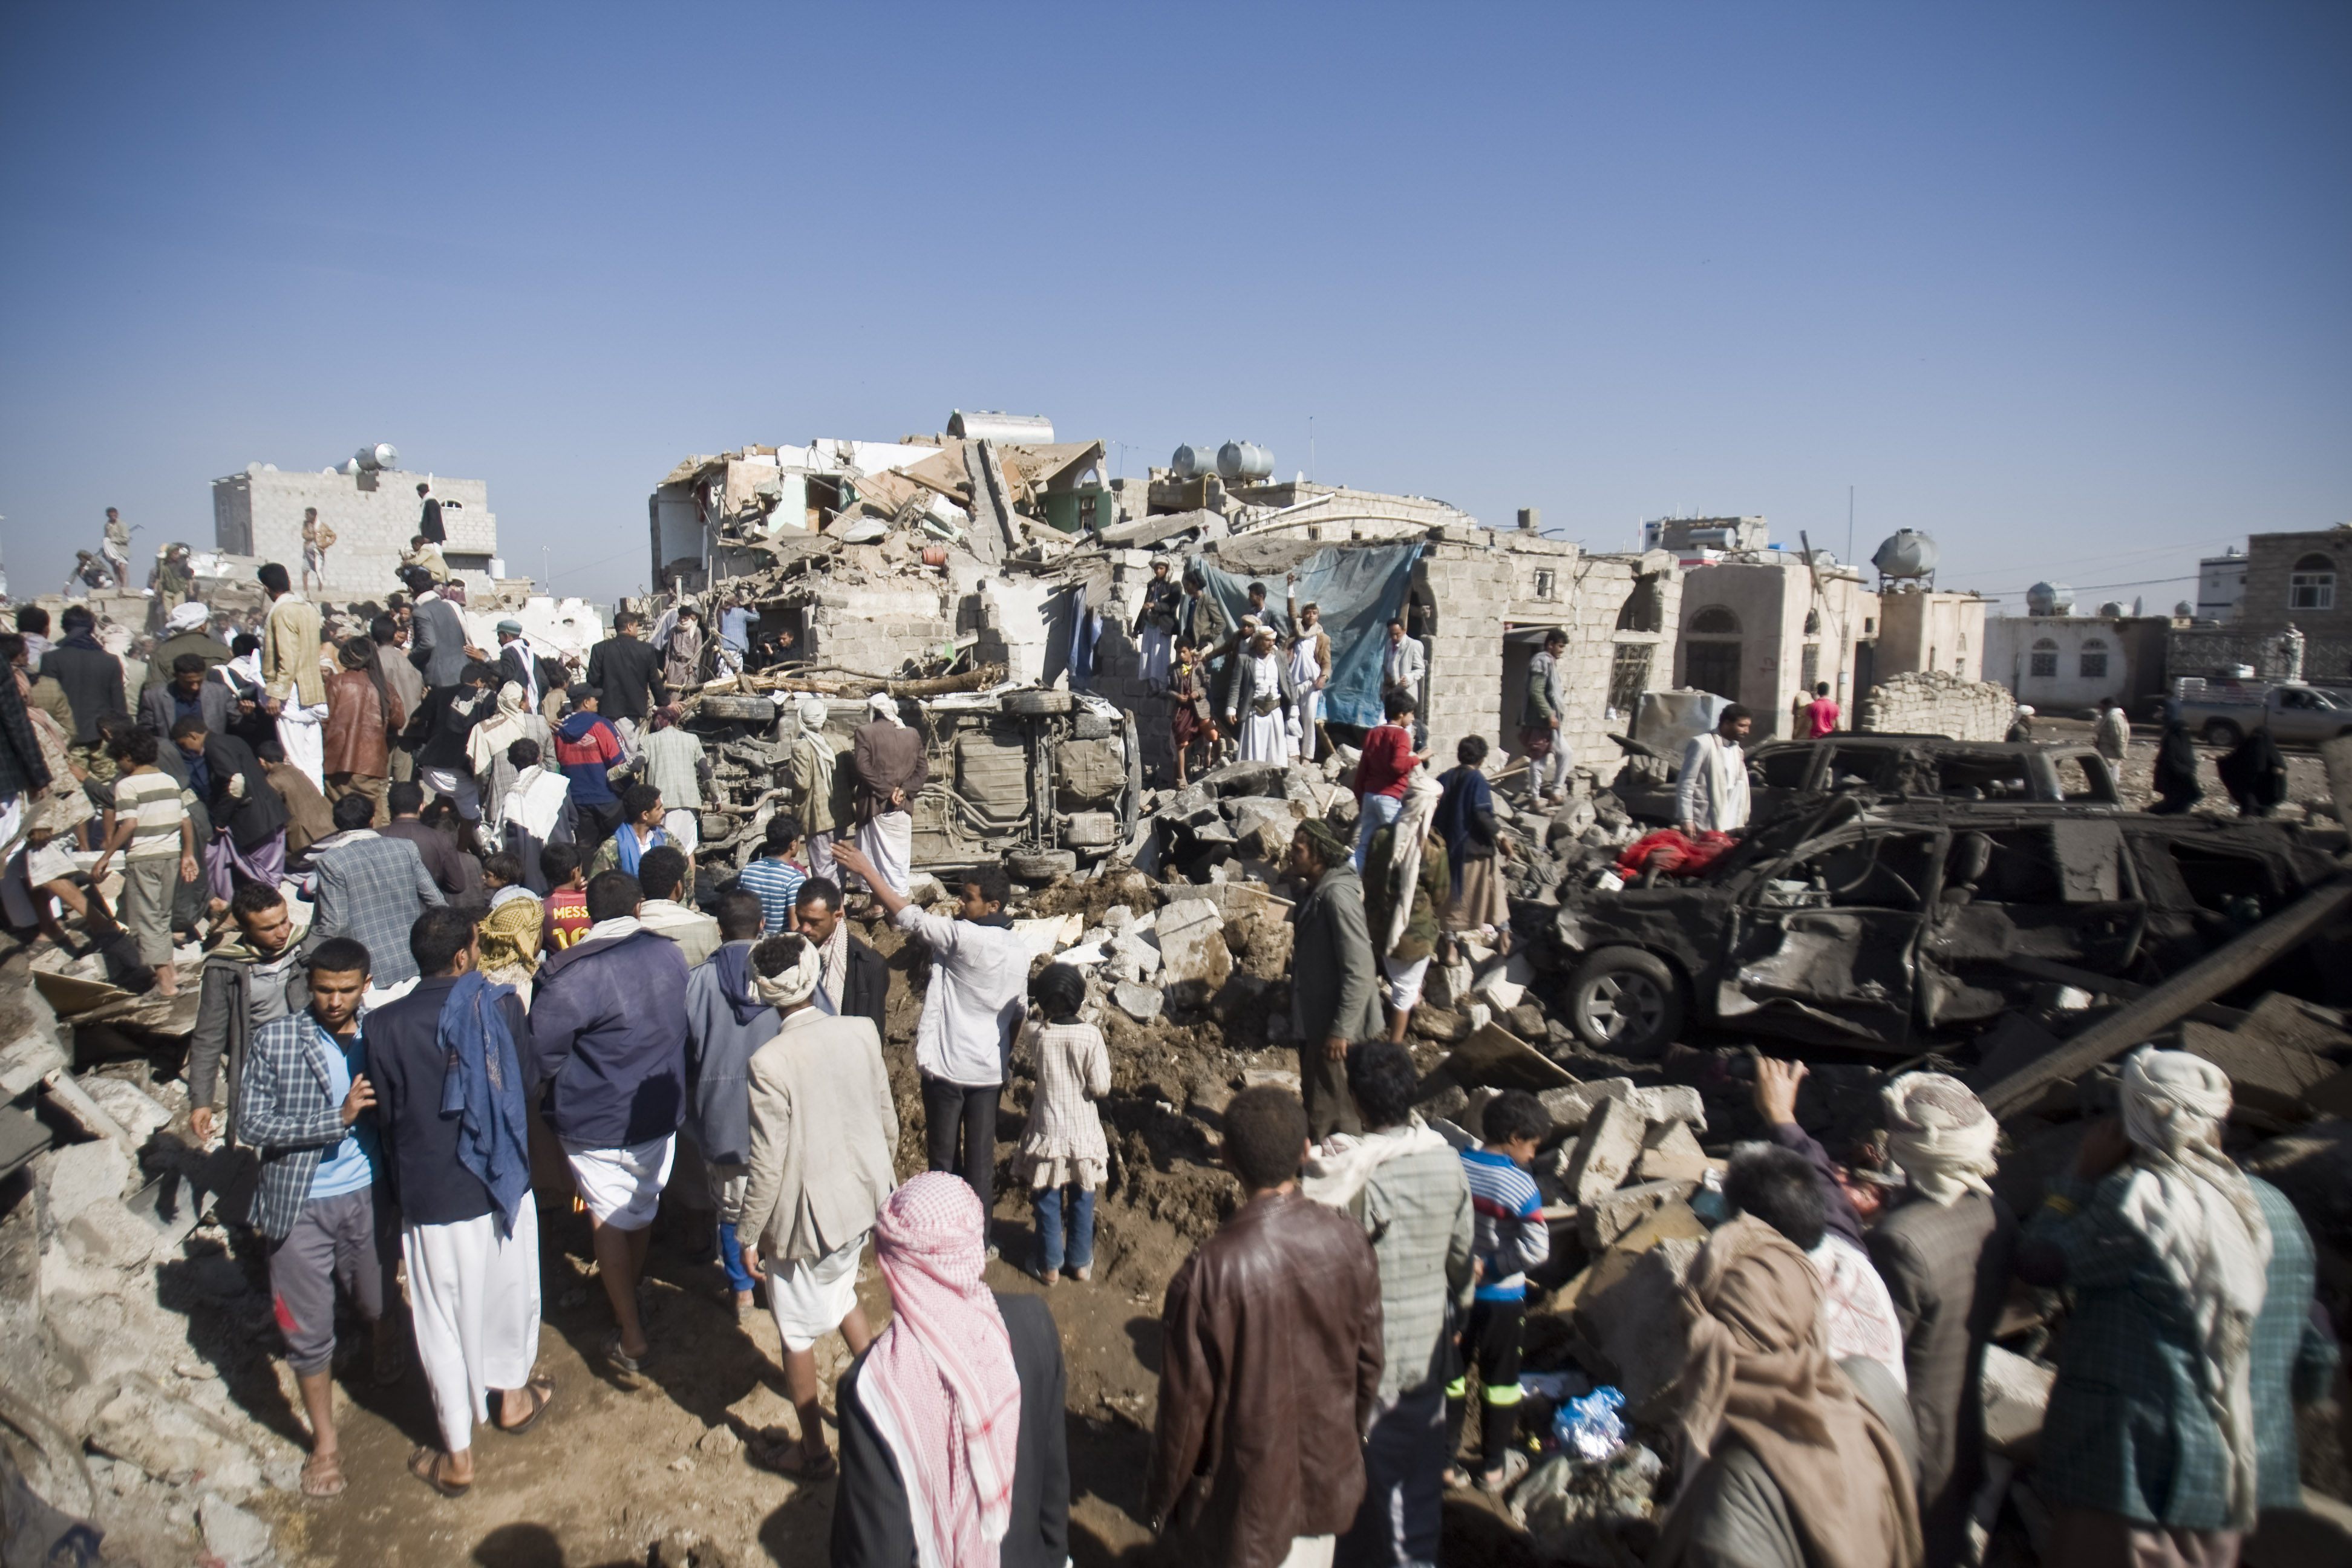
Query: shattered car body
[1785, 775]
[1040, 779]
[1873, 926]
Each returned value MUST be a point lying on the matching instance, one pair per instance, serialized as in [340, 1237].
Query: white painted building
[2221, 585]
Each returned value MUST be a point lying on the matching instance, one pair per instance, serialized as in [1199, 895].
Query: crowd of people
[460, 964]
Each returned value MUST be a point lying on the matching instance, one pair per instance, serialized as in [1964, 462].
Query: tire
[1041, 867]
[1625, 1002]
[1092, 726]
[2221, 732]
[1034, 702]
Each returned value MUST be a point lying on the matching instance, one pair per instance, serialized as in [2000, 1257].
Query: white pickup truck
[2295, 715]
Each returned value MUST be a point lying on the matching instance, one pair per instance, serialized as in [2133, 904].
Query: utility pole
[1848, 526]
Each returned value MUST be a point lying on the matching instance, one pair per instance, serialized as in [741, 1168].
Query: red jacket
[1386, 763]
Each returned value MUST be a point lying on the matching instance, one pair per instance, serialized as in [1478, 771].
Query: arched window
[2043, 662]
[1711, 653]
[2094, 659]
[2312, 586]
[1715, 621]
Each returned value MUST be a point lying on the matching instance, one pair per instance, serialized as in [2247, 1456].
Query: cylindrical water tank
[2050, 599]
[1194, 462]
[2113, 609]
[1243, 462]
[986, 424]
[382, 455]
[1906, 552]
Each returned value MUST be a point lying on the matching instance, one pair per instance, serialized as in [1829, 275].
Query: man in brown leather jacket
[1270, 1363]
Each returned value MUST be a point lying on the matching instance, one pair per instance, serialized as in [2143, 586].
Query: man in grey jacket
[247, 981]
[726, 1022]
[1333, 1001]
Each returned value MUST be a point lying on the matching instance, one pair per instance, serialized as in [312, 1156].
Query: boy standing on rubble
[307, 1105]
[1513, 1236]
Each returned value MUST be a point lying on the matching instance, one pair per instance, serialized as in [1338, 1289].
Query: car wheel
[1042, 867]
[1625, 1002]
[1034, 701]
[2221, 732]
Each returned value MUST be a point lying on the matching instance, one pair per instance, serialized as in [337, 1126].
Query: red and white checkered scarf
[939, 1381]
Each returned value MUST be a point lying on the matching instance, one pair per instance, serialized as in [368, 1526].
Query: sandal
[426, 1466]
[1456, 1480]
[542, 1395]
[322, 1476]
[632, 1365]
[792, 1460]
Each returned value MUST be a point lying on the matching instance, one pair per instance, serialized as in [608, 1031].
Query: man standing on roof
[117, 548]
[428, 518]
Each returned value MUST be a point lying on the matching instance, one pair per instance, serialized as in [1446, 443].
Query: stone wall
[1936, 703]
[875, 628]
[2327, 660]
[374, 514]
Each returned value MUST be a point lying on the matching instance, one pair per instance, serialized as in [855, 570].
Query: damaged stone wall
[1935, 703]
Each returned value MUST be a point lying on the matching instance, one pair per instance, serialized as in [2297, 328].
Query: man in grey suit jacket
[440, 651]
[1333, 999]
[187, 694]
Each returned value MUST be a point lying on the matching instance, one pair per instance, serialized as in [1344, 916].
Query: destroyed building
[934, 554]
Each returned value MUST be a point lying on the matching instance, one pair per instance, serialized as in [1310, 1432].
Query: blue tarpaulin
[1358, 589]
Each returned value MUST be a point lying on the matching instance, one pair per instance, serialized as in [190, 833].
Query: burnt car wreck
[1889, 926]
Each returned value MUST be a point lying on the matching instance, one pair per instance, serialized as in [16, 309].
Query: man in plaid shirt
[370, 888]
[306, 1104]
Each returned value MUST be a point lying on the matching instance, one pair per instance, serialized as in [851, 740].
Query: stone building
[374, 513]
[1764, 630]
[2301, 580]
[1929, 632]
[2064, 664]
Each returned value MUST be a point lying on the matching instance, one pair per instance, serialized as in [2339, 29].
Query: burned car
[1782, 773]
[1040, 779]
[1879, 926]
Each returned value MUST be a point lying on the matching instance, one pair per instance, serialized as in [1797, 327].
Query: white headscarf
[188, 618]
[2199, 1214]
[812, 710]
[1420, 797]
[794, 986]
[1941, 1135]
[885, 706]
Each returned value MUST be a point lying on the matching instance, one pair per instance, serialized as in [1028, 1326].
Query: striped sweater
[1513, 1236]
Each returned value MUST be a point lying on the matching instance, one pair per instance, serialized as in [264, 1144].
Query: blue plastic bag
[1591, 1428]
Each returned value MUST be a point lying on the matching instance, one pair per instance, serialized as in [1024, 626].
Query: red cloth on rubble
[1684, 855]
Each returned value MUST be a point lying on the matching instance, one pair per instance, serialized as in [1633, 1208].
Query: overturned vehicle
[1044, 781]
[1891, 926]
[1789, 776]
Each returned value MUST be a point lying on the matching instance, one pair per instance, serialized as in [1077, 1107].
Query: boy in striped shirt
[774, 880]
[149, 826]
[1512, 1236]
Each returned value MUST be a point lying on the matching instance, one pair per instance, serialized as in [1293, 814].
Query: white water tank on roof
[986, 424]
[1906, 552]
[2113, 609]
[2050, 599]
[1243, 462]
[1194, 462]
[382, 455]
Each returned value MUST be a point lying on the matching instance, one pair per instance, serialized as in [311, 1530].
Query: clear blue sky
[2066, 286]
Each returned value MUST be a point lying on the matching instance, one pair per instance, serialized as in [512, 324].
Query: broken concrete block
[1526, 1020]
[1629, 1312]
[2275, 1057]
[1606, 1150]
[81, 1175]
[1277, 1077]
[1141, 1002]
[1192, 949]
[2016, 1397]
[1571, 1107]
[234, 1536]
[1445, 985]
[1265, 826]
[1612, 1213]
[1439, 1025]
[1670, 1102]
[1670, 1152]
[1451, 1133]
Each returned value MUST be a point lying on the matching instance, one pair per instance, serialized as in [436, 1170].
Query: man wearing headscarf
[1782, 1459]
[1406, 883]
[892, 769]
[488, 745]
[822, 1134]
[363, 719]
[2149, 1452]
[172, 579]
[1944, 1250]
[812, 774]
[186, 630]
[954, 1449]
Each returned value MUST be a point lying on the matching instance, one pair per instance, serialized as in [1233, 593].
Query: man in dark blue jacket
[608, 1022]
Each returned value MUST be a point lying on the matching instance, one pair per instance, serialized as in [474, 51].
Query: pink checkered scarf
[940, 1380]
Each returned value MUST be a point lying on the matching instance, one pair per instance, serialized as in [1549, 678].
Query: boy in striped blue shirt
[773, 879]
[1513, 1236]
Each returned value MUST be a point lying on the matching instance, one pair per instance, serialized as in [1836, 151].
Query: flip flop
[426, 1466]
[792, 1460]
[542, 1395]
[633, 1366]
[322, 1476]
